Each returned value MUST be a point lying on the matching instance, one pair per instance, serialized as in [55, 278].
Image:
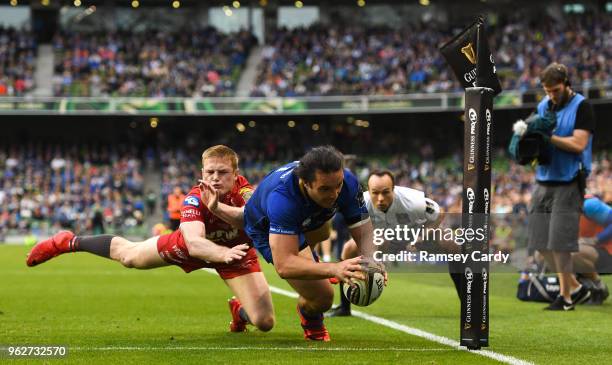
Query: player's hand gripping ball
[365, 292]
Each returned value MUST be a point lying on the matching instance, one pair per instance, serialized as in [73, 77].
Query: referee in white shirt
[389, 206]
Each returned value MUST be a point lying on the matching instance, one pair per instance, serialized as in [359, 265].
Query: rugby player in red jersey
[202, 240]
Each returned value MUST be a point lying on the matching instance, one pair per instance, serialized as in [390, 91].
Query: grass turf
[105, 313]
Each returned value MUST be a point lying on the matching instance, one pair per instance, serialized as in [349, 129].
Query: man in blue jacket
[557, 199]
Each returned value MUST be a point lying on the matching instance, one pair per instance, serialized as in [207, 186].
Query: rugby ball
[365, 292]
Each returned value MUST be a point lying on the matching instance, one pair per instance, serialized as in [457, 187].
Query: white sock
[577, 289]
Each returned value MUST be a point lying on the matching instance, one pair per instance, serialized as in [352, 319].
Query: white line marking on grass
[439, 339]
[252, 348]
[415, 331]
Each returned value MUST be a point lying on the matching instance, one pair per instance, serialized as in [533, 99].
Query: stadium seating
[80, 188]
[202, 62]
[319, 60]
[333, 60]
[53, 186]
[17, 61]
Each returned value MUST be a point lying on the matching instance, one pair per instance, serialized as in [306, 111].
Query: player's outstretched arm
[199, 247]
[231, 215]
[290, 265]
[362, 234]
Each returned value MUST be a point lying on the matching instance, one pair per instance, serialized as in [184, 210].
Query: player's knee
[264, 323]
[127, 262]
[324, 301]
[130, 261]
[322, 305]
[327, 301]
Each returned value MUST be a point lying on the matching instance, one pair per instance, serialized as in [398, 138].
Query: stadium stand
[85, 187]
[337, 60]
[319, 60]
[17, 61]
[202, 62]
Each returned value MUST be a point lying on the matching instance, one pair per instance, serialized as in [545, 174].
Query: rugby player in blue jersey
[290, 212]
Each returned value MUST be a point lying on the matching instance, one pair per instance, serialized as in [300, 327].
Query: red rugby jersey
[217, 230]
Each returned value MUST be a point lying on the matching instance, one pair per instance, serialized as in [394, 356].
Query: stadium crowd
[17, 61]
[440, 179]
[201, 62]
[353, 60]
[92, 187]
[319, 60]
[83, 188]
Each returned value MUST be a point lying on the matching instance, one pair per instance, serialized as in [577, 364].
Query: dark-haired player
[290, 212]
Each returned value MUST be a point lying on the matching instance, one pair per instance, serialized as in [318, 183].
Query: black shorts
[554, 217]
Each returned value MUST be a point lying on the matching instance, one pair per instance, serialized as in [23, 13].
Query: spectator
[175, 203]
[202, 62]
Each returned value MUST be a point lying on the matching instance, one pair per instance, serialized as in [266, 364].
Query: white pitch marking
[249, 348]
[439, 339]
[416, 332]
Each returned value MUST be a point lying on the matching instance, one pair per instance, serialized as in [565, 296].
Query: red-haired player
[202, 240]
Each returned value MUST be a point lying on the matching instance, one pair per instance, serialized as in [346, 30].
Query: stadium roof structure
[191, 3]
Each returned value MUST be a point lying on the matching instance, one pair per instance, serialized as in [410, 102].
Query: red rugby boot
[237, 324]
[60, 243]
[314, 329]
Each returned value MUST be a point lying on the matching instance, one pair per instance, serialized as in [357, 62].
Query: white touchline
[413, 331]
[252, 348]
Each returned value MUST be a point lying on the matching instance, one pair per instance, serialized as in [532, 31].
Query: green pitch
[107, 314]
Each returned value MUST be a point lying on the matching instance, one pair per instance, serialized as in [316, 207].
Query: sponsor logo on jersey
[190, 213]
[281, 230]
[192, 200]
[222, 235]
[246, 193]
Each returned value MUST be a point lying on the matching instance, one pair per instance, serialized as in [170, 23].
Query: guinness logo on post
[468, 52]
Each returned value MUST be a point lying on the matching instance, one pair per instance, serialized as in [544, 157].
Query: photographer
[560, 179]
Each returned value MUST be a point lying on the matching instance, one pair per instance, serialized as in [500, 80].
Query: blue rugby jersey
[278, 206]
